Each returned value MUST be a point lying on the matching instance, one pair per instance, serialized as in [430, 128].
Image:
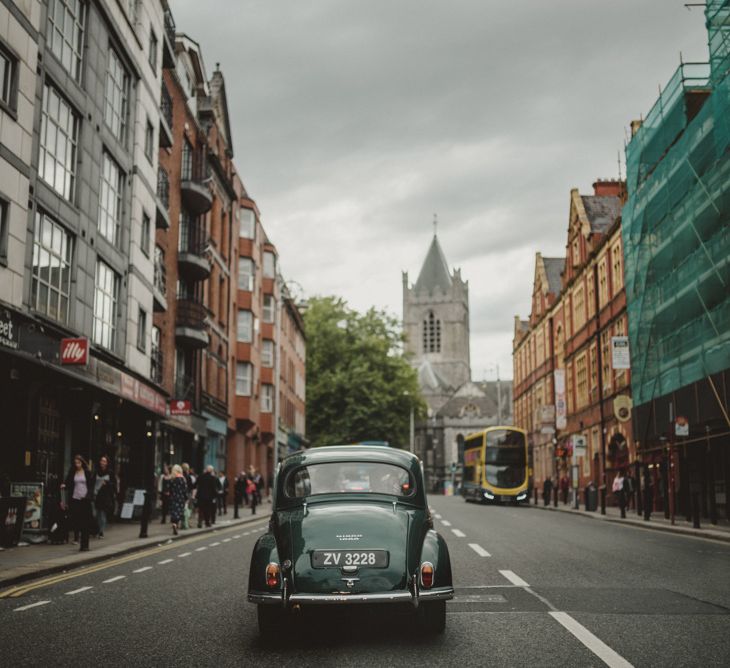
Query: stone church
[436, 327]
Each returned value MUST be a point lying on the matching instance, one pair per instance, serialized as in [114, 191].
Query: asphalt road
[533, 588]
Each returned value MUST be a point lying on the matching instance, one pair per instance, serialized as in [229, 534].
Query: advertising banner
[33, 492]
[75, 351]
[620, 357]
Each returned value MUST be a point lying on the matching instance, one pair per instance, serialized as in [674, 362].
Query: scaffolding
[676, 225]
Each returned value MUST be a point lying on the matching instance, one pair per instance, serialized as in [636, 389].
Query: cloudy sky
[354, 121]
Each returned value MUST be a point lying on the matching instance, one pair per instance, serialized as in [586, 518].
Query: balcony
[190, 330]
[156, 365]
[162, 220]
[185, 388]
[165, 118]
[168, 41]
[196, 195]
[192, 260]
[159, 286]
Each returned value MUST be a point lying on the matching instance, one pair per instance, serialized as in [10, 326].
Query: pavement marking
[78, 591]
[114, 579]
[598, 647]
[22, 589]
[165, 561]
[214, 544]
[514, 579]
[458, 533]
[479, 550]
[438, 517]
[239, 535]
[143, 569]
[32, 605]
[226, 540]
[184, 554]
[446, 523]
[200, 549]
[248, 533]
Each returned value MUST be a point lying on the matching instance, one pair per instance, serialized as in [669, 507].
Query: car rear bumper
[344, 598]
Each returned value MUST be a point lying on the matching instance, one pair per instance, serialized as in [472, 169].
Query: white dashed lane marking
[165, 561]
[31, 605]
[213, 544]
[479, 550]
[226, 540]
[143, 569]
[514, 579]
[184, 554]
[114, 579]
[458, 533]
[78, 591]
[200, 549]
[446, 523]
[438, 517]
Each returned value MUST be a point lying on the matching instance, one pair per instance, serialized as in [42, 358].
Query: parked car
[350, 526]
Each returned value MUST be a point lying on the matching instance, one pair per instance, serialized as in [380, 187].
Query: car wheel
[272, 620]
[431, 617]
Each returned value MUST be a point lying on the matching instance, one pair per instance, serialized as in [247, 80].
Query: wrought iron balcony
[196, 195]
[190, 329]
[162, 219]
[159, 285]
[185, 387]
[192, 259]
[165, 118]
[156, 365]
[168, 46]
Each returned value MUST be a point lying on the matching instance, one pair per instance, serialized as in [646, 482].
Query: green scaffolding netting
[676, 225]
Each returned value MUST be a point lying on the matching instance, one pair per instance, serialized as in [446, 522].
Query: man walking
[222, 494]
[206, 492]
[239, 492]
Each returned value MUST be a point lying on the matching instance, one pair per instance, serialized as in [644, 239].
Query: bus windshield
[505, 458]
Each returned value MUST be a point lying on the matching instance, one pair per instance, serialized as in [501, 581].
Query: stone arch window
[431, 334]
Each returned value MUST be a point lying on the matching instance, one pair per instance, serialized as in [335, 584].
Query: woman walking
[105, 490]
[79, 486]
[163, 491]
[178, 497]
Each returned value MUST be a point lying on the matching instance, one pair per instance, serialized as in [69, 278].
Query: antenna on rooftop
[618, 155]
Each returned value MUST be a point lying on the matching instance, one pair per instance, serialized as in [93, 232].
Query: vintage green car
[350, 526]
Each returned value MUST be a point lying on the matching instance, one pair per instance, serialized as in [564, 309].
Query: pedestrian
[547, 488]
[618, 489]
[239, 492]
[178, 497]
[629, 489]
[79, 486]
[189, 477]
[206, 491]
[564, 487]
[163, 489]
[252, 493]
[259, 480]
[105, 490]
[222, 494]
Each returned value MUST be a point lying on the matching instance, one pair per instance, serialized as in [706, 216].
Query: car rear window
[349, 478]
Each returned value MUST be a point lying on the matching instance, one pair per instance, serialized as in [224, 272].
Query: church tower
[436, 325]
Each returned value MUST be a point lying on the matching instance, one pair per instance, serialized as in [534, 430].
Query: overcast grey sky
[354, 121]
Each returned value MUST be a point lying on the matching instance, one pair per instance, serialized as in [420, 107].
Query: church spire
[435, 269]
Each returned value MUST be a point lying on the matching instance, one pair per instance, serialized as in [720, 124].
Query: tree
[359, 385]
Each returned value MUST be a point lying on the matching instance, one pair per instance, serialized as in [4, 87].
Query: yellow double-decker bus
[496, 466]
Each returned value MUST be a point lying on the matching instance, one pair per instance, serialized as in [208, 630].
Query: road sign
[620, 357]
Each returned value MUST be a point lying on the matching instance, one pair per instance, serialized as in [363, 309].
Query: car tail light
[427, 575]
[272, 575]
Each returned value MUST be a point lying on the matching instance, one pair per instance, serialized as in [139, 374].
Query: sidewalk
[29, 561]
[719, 531]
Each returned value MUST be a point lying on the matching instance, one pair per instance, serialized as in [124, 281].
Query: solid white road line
[143, 569]
[114, 579]
[458, 533]
[200, 549]
[514, 579]
[165, 561]
[214, 544]
[32, 605]
[598, 647]
[479, 550]
[184, 554]
[77, 591]
[446, 523]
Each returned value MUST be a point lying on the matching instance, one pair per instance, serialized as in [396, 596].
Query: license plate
[358, 558]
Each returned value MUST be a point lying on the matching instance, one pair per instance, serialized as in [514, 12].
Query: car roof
[360, 453]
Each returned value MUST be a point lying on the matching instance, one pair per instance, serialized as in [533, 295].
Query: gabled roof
[553, 269]
[602, 211]
[218, 93]
[435, 270]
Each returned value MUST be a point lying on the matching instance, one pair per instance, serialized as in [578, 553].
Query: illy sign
[74, 351]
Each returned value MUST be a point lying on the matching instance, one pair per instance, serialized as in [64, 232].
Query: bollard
[555, 497]
[537, 499]
[603, 499]
[146, 508]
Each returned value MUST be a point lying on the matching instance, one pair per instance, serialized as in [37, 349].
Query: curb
[680, 531]
[12, 580]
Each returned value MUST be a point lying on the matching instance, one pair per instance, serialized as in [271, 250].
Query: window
[590, 294]
[149, 140]
[606, 359]
[160, 275]
[110, 199]
[244, 372]
[59, 135]
[106, 294]
[52, 253]
[4, 210]
[8, 83]
[153, 51]
[245, 273]
[268, 308]
[156, 356]
[267, 398]
[247, 228]
[144, 241]
[267, 353]
[618, 270]
[576, 252]
[117, 96]
[244, 327]
[65, 33]
[602, 283]
[131, 8]
[269, 264]
[186, 172]
[594, 369]
[581, 381]
[142, 330]
[431, 334]
[579, 312]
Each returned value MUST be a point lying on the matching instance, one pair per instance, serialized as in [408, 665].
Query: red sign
[75, 351]
[179, 407]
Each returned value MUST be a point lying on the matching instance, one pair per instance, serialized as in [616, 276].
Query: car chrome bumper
[344, 598]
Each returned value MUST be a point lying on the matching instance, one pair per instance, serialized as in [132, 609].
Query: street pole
[277, 371]
[499, 398]
[412, 432]
[670, 462]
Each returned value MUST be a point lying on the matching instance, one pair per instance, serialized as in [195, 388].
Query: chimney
[608, 187]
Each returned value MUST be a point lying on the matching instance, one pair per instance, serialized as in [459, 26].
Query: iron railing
[166, 106]
[163, 187]
[190, 314]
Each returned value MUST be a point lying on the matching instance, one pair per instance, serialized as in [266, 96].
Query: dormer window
[431, 334]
